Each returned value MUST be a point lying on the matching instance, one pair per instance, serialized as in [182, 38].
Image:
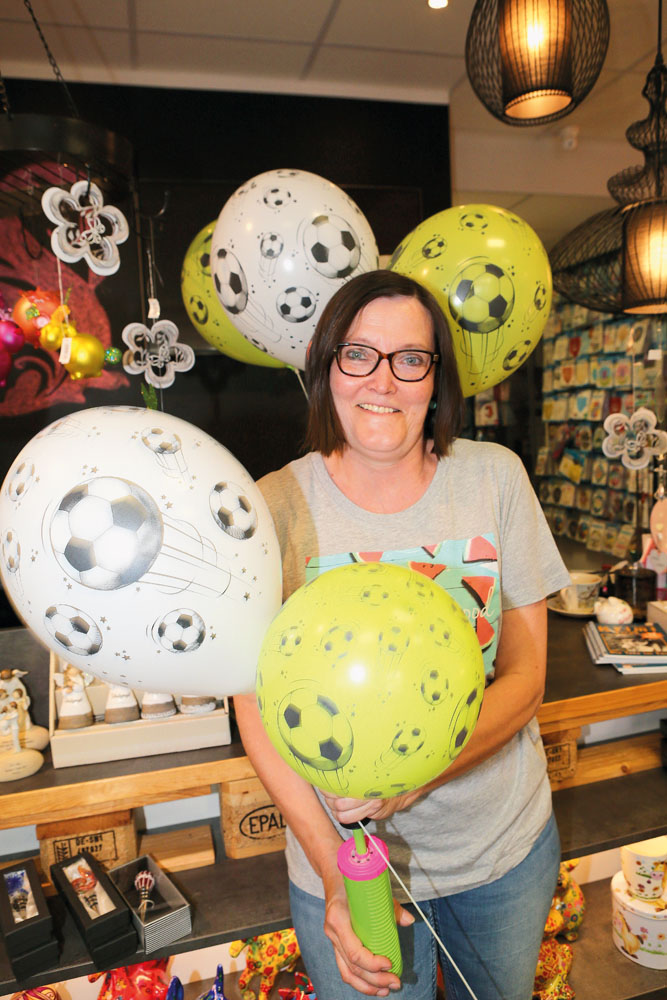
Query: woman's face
[382, 417]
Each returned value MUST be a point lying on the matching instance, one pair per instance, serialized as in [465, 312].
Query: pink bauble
[11, 336]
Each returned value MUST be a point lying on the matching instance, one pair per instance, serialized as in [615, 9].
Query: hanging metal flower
[86, 228]
[633, 439]
[156, 352]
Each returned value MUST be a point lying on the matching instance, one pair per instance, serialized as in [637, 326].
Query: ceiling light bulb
[437, 4]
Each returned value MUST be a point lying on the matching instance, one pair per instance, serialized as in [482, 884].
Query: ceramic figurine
[145, 981]
[197, 704]
[155, 705]
[16, 761]
[567, 906]
[613, 611]
[39, 993]
[303, 988]
[553, 966]
[13, 694]
[266, 956]
[121, 705]
[75, 708]
[217, 990]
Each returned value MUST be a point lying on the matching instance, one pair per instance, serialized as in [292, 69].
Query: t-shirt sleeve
[532, 567]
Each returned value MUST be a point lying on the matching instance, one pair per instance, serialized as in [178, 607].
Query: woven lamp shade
[533, 61]
[645, 258]
[616, 261]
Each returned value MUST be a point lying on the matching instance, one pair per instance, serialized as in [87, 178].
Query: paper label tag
[65, 350]
[153, 309]
[654, 354]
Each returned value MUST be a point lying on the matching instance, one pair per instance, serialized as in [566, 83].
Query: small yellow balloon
[53, 332]
[205, 310]
[491, 276]
[86, 356]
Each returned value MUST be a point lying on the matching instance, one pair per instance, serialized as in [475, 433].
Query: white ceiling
[384, 49]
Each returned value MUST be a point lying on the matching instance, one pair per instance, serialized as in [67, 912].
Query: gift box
[160, 912]
[25, 920]
[99, 911]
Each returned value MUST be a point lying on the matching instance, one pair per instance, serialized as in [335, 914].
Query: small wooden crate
[561, 751]
[110, 837]
[251, 823]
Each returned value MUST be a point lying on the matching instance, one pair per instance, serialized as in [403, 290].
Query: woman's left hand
[347, 810]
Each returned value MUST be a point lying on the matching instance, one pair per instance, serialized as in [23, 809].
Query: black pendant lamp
[38, 151]
[616, 261]
[533, 61]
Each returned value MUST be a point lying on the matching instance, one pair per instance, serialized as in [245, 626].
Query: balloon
[205, 311]
[490, 274]
[140, 550]
[370, 680]
[33, 310]
[283, 244]
[11, 336]
[86, 356]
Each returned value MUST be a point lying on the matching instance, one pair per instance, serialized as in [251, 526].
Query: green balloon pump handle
[369, 896]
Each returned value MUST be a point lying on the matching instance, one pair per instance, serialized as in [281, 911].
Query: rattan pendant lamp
[531, 62]
[616, 261]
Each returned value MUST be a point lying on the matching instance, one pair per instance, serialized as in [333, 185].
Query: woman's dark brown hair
[323, 431]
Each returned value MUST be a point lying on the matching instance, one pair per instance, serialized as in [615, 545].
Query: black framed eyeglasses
[359, 360]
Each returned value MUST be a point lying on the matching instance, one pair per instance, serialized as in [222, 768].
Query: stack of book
[640, 647]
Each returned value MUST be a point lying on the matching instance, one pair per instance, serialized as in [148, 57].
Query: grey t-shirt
[473, 829]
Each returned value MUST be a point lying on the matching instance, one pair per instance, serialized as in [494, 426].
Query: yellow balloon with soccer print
[491, 276]
[205, 310]
[370, 680]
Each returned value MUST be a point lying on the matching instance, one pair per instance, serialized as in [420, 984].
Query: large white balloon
[139, 549]
[283, 244]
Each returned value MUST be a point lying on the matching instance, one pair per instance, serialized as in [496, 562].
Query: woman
[477, 847]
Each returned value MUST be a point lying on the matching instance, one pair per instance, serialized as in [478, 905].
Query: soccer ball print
[204, 309]
[284, 242]
[490, 274]
[359, 691]
[137, 548]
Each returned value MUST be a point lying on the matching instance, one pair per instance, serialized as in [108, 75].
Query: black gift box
[38, 959]
[25, 919]
[100, 912]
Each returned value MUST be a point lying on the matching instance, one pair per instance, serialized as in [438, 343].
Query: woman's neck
[382, 488]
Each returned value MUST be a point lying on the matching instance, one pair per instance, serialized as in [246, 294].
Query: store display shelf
[605, 814]
[231, 900]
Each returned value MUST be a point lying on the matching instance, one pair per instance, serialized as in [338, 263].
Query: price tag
[65, 350]
[153, 309]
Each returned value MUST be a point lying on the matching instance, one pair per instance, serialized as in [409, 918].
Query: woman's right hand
[359, 968]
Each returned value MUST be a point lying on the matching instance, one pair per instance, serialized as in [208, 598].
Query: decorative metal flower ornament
[633, 439]
[155, 351]
[86, 228]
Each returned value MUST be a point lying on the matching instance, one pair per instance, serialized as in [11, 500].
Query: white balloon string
[418, 908]
[298, 375]
[60, 281]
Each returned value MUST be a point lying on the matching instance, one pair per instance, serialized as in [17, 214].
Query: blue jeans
[493, 933]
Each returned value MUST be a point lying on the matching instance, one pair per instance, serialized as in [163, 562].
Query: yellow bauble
[52, 334]
[370, 680]
[205, 310]
[86, 356]
[491, 276]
